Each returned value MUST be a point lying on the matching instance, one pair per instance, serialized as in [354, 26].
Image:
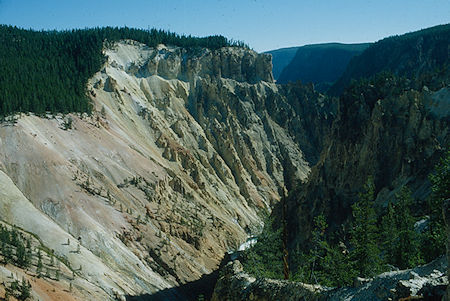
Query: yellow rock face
[175, 167]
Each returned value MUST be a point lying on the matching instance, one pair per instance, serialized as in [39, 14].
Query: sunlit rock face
[183, 155]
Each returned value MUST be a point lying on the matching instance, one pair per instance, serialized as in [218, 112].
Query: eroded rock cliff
[388, 131]
[184, 153]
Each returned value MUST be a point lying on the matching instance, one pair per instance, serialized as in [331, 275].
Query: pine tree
[326, 264]
[265, 259]
[39, 264]
[21, 254]
[3, 250]
[319, 246]
[14, 286]
[365, 253]
[28, 253]
[15, 240]
[103, 113]
[7, 253]
[4, 235]
[337, 268]
[434, 240]
[407, 252]
[389, 234]
[24, 290]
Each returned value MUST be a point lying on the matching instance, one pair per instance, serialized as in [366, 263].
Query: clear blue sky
[263, 24]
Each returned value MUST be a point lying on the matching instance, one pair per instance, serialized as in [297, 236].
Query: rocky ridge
[428, 281]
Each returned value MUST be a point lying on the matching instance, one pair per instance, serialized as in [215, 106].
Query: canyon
[182, 158]
[186, 153]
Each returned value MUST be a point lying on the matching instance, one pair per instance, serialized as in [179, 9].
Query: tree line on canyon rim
[375, 243]
[47, 71]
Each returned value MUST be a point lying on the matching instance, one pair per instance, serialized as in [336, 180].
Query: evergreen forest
[47, 71]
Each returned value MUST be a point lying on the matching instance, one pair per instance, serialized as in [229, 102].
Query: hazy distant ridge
[281, 58]
[321, 64]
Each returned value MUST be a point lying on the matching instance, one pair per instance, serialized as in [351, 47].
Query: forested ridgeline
[47, 71]
[418, 55]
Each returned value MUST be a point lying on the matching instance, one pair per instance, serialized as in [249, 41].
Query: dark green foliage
[5, 235]
[20, 290]
[265, 259]
[309, 265]
[21, 254]
[14, 248]
[400, 55]
[388, 234]
[319, 244]
[24, 290]
[407, 255]
[364, 234]
[375, 241]
[441, 182]
[7, 252]
[28, 253]
[325, 264]
[14, 286]
[103, 113]
[435, 238]
[400, 241]
[47, 71]
[39, 266]
[318, 249]
[337, 267]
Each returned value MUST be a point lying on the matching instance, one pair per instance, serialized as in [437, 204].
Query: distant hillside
[421, 52]
[281, 58]
[321, 64]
